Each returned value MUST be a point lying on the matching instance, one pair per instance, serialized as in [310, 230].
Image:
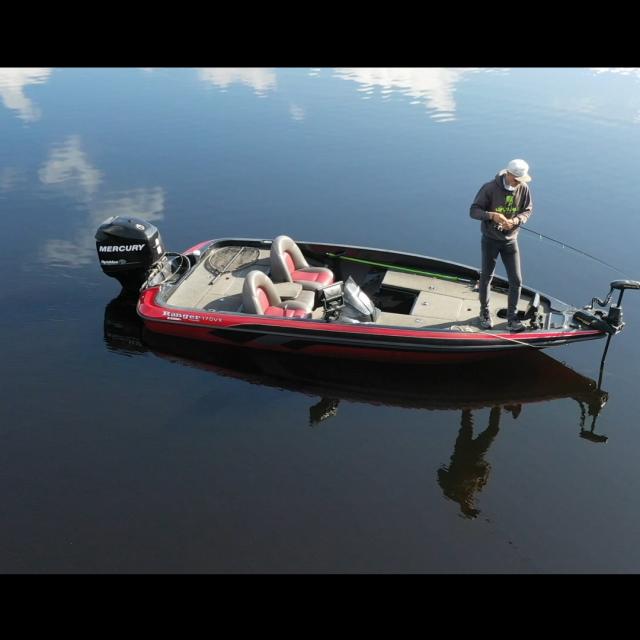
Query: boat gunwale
[555, 304]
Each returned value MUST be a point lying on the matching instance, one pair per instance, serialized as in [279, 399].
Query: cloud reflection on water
[261, 80]
[434, 87]
[69, 168]
[623, 71]
[12, 84]
[10, 177]
[147, 203]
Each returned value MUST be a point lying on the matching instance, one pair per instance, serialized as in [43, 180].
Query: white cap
[519, 169]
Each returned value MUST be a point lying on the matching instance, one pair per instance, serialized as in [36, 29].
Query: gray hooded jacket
[493, 196]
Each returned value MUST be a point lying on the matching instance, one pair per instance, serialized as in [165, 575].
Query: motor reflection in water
[502, 384]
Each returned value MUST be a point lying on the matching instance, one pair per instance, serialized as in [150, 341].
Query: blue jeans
[510, 254]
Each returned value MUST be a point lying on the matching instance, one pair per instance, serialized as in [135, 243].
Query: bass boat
[335, 300]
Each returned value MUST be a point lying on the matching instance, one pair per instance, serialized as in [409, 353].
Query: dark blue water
[117, 456]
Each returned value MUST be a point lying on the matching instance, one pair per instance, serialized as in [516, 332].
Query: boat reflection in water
[502, 384]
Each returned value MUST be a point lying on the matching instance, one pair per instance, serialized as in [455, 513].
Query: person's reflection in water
[468, 471]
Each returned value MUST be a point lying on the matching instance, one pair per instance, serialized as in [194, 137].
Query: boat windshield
[357, 304]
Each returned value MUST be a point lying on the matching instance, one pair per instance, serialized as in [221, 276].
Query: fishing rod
[396, 267]
[568, 246]
[442, 276]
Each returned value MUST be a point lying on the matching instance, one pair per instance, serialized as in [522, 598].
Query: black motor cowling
[128, 248]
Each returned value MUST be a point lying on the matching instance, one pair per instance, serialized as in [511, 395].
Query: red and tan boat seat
[260, 296]
[289, 265]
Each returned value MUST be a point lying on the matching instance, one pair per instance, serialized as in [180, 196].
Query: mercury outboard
[128, 248]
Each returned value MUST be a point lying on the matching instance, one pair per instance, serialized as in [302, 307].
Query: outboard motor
[128, 248]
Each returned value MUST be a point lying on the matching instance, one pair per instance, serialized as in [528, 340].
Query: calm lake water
[119, 455]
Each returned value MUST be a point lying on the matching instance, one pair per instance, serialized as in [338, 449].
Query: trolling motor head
[616, 285]
[625, 284]
[612, 322]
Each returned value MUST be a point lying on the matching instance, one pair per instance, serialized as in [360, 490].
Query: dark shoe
[484, 320]
[515, 325]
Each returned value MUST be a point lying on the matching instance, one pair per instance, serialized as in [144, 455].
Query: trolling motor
[612, 322]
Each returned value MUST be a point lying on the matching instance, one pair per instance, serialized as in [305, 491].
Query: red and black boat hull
[363, 341]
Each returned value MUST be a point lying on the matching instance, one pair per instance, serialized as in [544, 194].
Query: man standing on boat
[503, 205]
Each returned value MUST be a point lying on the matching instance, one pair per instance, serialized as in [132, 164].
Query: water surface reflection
[505, 383]
[434, 87]
[12, 90]
[140, 457]
[69, 170]
[261, 80]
